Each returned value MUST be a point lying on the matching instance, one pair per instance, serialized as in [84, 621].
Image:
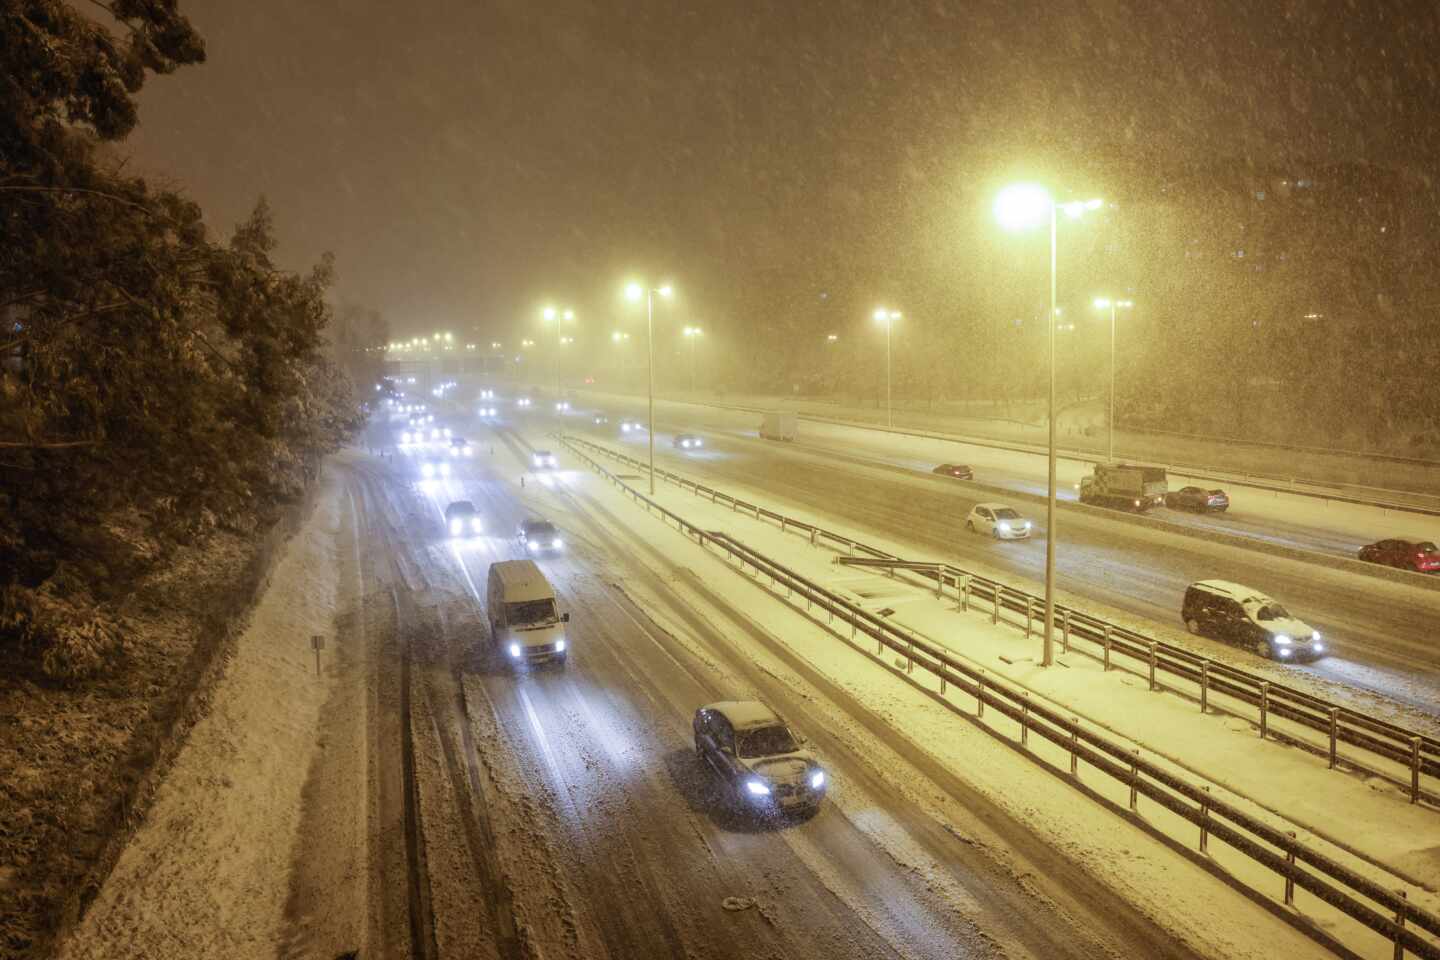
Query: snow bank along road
[1381, 633]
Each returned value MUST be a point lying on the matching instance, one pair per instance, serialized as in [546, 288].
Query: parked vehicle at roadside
[1245, 617]
[762, 762]
[1420, 556]
[1198, 499]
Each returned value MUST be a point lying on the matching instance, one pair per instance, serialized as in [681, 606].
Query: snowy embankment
[1374, 831]
[210, 871]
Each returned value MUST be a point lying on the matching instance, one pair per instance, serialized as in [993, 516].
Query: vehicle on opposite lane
[959, 471]
[1245, 617]
[1198, 499]
[544, 460]
[687, 441]
[762, 762]
[1420, 556]
[999, 520]
[631, 426]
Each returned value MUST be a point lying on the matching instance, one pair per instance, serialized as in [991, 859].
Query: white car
[544, 459]
[562, 407]
[998, 520]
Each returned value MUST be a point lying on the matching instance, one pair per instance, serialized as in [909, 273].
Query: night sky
[467, 160]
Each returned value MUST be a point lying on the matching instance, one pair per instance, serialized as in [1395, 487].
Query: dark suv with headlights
[1247, 618]
[763, 763]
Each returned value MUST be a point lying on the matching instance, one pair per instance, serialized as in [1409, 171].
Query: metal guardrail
[1279, 851]
[1418, 754]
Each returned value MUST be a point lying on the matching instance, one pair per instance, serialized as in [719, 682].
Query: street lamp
[888, 318]
[633, 292]
[692, 334]
[1103, 303]
[1020, 207]
[550, 314]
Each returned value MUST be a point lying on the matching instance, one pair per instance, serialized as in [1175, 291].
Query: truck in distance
[1124, 486]
[779, 425]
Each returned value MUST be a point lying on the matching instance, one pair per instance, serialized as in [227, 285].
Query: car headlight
[1314, 636]
[698, 443]
[1281, 639]
[532, 544]
[817, 779]
[757, 789]
[446, 431]
[444, 469]
[1004, 525]
[1284, 651]
[514, 649]
[560, 645]
[405, 437]
[557, 543]
[469, 452]
[1319, 647]
[428, 470]
[475, 524]
[457, 526]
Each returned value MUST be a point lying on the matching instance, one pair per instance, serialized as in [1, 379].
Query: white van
[524, 620]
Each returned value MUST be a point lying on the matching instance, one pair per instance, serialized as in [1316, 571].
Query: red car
[1198, 498]
[957, 470]
[1420, 556]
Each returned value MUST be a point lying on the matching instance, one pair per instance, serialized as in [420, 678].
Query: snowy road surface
[565, 813]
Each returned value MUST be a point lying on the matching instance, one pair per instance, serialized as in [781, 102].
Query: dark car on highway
[764, 764]
[1198, 499]
[957, 470]
[1418, 555]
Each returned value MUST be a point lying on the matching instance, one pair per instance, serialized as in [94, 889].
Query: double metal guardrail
[1386, 912]
[1369, 738]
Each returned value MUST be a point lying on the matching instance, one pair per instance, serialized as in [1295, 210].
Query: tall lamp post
[692, 334]
[634, 292]
[888, 318]
[1018, 208]
[552, 315]
[1102, 303]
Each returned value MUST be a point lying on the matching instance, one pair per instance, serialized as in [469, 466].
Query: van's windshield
[531, 613]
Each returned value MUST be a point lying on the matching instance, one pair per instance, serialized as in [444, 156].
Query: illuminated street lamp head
[832, 337]
[886, 316]
[1022, 206]
[569, 314]
[1075, 208]
[548, 313]
[666, 291]
[633, 291]
[448, 338]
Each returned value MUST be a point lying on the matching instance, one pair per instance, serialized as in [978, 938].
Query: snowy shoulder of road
[208, 873]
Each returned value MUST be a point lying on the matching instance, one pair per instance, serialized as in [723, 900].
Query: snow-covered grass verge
[1175, 890]
[81, 761]
[207, 872]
